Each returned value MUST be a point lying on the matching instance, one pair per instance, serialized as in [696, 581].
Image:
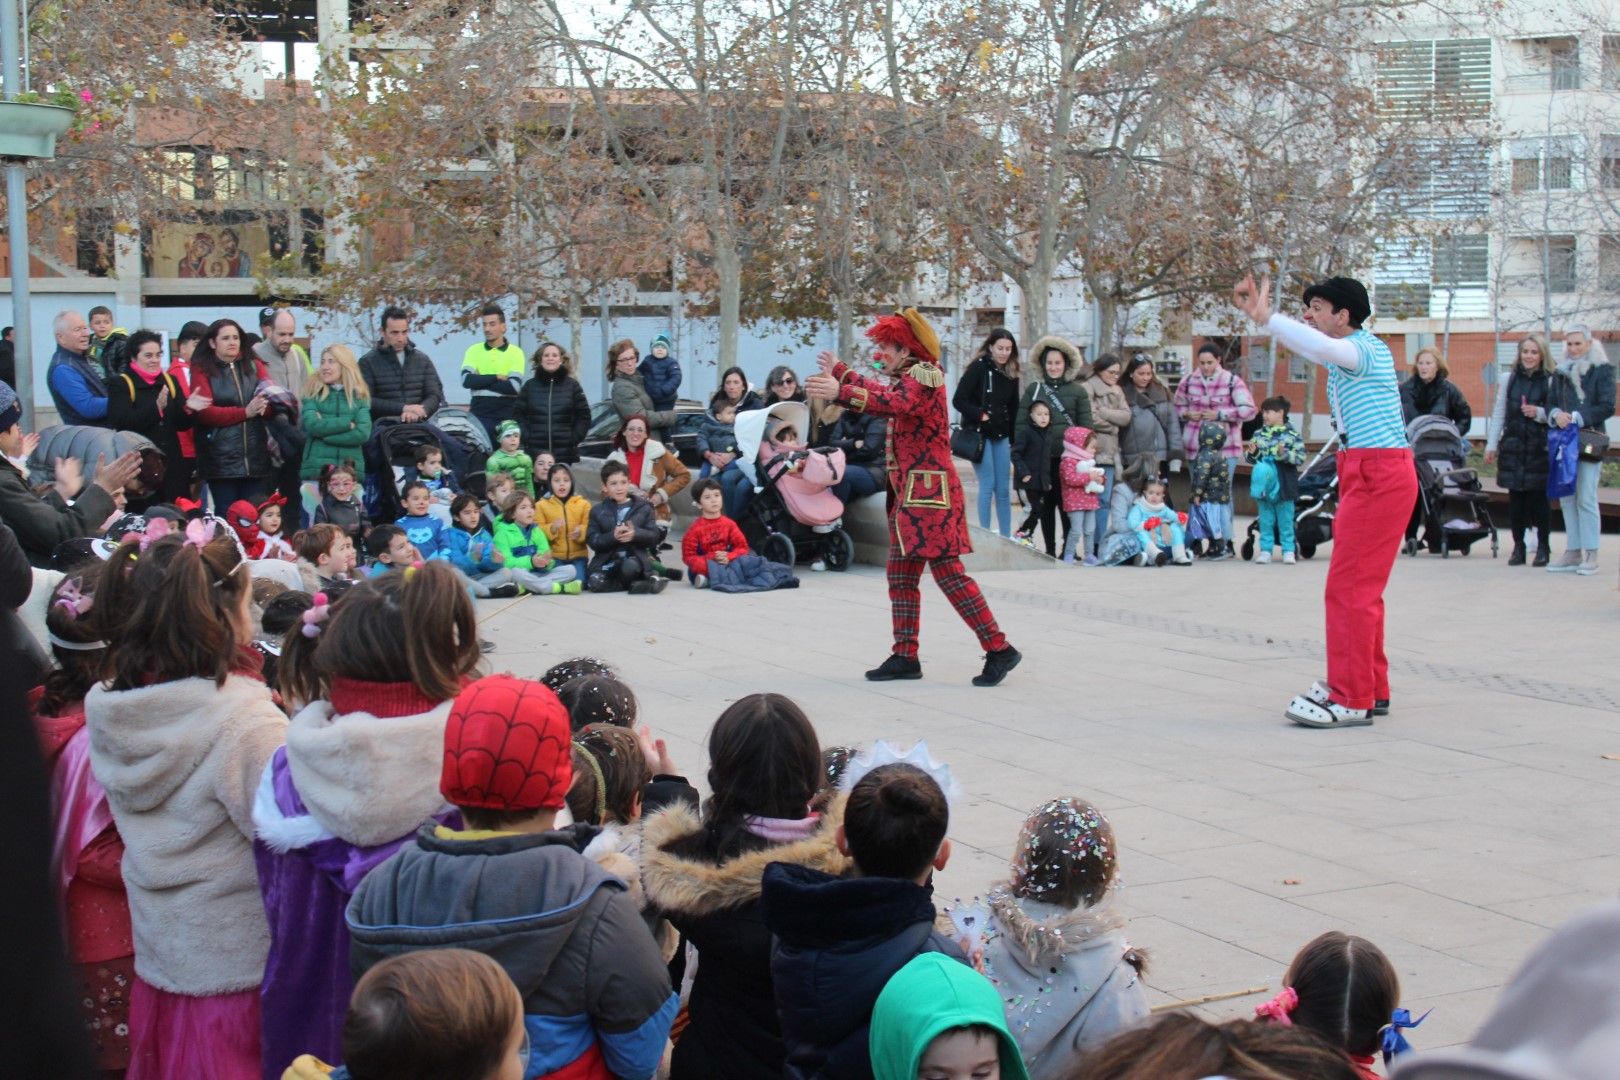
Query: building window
[1298, 369]
[1403, 273]
[1609, 162]
[1461, 274]
[1546, 164]
[1434, 80]
[1609, 263]
[1437, 178]
[93, 241]
[1546, 64]
[1611, 62]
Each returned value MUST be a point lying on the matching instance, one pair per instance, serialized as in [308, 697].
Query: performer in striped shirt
[1377, 487]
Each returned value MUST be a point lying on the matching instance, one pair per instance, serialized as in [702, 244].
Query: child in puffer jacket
[1056, 947]
[1212, 488]
[660, 373]
[469, 546]
[1082, 481]
[1281, 445]
[1159, 528]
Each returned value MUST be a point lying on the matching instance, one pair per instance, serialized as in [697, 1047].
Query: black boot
[996, 666]
[895, 667]
[1517, 558]
[1543, 550]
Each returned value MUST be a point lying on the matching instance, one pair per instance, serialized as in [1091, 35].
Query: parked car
[598, 441]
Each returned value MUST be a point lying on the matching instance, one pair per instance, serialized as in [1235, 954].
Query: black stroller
[392, 449]
[1313, 509]
[768, 522]
[1453, 509]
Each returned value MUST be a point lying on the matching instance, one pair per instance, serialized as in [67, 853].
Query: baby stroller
[391, 450]
[782, 525]
[463, 428]
[1313, 509]
[1453, 507]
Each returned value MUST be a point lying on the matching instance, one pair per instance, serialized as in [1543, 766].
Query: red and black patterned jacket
[926, 517]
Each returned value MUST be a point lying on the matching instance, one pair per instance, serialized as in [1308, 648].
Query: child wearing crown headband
[88, 850]
[1055, 945]
[180, 731]
[273, 531]
[371, 677]
[1344, 989]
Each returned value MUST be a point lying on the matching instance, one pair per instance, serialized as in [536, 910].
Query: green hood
[928, 997]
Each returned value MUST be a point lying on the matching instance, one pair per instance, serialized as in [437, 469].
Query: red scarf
[380, 699]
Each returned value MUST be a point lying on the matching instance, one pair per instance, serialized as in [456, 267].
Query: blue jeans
[858, 483]
[994, 472]
[224, 492]
[1582, 526]
[1100, 529]
[1276, 525]
[736, 492]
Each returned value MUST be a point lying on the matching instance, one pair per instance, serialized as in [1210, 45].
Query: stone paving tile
[1454, 834]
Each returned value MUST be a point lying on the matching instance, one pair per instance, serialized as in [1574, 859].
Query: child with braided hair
[372, 676]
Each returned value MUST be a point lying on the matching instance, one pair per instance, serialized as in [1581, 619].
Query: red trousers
[1376, 492]
[905, 600]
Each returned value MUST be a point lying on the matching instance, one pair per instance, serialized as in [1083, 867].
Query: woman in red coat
[927, 524]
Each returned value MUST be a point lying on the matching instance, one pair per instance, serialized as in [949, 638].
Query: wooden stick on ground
[1207, 998]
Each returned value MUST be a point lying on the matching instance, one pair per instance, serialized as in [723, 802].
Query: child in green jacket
[510, 458]
[939, 1012]
[526, 553]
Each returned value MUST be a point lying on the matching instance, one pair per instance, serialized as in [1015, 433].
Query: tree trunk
[576, 326]
[846, 326]
[1036, 288]
[1107, 309]
[728, 271]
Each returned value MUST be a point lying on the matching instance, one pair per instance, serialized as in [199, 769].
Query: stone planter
[29, 130]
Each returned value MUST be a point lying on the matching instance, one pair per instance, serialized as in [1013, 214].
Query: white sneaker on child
[1288, 558]
[1261, 558]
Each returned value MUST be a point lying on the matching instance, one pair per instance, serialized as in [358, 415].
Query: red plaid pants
[905, 599]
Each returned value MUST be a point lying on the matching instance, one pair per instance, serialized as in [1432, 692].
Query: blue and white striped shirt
[1362, 389]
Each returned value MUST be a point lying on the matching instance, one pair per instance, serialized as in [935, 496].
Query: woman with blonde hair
[336, 416]
[1430, 391]
[1534, 397]
[1588, 367]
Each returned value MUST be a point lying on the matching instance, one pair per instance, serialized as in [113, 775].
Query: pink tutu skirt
[176, 1037]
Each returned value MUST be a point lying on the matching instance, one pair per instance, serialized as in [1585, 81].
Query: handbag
[967, 443]
[1594, 445]
[1198, 524]
[1264, 483]
[1563, 453]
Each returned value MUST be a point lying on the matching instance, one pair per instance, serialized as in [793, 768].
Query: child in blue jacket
[661, 373]
[469, 546]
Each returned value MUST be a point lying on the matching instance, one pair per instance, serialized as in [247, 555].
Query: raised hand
[826, 360]
[1253, 300]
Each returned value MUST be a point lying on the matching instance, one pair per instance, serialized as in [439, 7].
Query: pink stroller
[794, 515]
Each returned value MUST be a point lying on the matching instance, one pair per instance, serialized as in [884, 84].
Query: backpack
[168, 380]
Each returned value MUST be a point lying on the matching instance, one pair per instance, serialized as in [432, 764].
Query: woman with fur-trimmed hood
[1054, 378]
[704, 874]
[1056, 947]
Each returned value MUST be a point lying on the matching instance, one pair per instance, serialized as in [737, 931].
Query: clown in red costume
[927, 527]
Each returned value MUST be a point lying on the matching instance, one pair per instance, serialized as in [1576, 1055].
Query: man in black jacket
[404, 384]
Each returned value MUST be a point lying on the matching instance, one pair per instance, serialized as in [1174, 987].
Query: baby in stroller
[803, 477]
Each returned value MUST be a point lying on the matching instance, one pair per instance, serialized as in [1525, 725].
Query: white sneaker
[1288, 558]
[1307, 712]
[1261, 558]
[819, 564]
[1568, 563]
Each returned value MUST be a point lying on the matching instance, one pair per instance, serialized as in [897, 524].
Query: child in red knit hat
[594, 985]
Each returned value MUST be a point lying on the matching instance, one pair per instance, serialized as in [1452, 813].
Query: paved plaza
[1454, 834]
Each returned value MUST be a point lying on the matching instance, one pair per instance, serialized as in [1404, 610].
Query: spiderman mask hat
[507, 747]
